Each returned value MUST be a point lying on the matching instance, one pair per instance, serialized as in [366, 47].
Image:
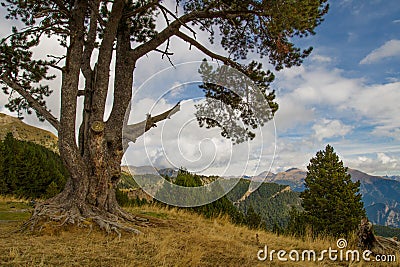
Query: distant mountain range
[394, 177]
[293, 177]
[381, 195]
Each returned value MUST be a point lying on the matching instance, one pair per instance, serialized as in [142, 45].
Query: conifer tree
[253, 219]
[30, 170]
[331, 201]
[100, 39]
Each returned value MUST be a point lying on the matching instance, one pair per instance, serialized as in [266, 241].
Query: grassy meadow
[178, 238]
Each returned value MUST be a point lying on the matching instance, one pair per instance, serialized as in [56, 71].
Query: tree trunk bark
[89, 195]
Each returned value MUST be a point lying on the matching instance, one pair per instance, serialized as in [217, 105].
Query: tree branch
[104, 60]
[206, 51]
[32, 102]
[173, 28]
[134, 131]
[70, 83]
[90, 43]
[123, 81]
[56, 67]
[141, 9]
[62, 7]
[164, 9]
[95, 9]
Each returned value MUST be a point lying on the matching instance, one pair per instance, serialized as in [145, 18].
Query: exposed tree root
[383, 245]
[83, 215]
[377, 244]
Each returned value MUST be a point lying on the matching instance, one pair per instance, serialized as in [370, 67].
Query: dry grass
[180, 239]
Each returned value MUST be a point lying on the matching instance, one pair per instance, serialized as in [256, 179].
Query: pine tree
[253, 219]
[30, 170]
[331, 201]
[103, 44]
[11, 156]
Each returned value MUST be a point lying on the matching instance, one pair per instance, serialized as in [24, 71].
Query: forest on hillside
[30, 170]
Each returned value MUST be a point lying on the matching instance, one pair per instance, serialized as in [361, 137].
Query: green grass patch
[14, 215]
[13, 206]
[155, 214]
[11, 210]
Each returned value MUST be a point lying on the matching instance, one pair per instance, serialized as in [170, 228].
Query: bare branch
[59, 58]
[32, 102]
[134, 131]
[164, 9]
[164, 52]
[173, 28]
[56, 67]
[206, 51]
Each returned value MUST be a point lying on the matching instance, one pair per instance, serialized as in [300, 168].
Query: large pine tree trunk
[89, 195]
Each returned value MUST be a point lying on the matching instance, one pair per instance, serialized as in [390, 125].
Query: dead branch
[133, 131]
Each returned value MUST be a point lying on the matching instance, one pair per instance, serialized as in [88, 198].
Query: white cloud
[180, 142]
[321, 58]
[351, 37]
[330, 128]
[310, 93]
[392, 131]
[291, 113]
[385, 159]
[389, 49]
[379, 103]
[379, 163]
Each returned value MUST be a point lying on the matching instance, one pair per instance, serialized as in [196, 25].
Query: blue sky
[347, 94]
[352, 29]
[350, 87]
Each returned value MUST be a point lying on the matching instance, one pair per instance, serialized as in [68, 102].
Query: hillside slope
[272, 201]
[178, 238]
[25, 132]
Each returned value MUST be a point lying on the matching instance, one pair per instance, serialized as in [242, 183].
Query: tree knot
[97, 127]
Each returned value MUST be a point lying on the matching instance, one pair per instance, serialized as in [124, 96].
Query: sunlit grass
[180, 238]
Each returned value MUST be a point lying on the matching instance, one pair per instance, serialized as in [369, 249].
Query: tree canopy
[129, 28]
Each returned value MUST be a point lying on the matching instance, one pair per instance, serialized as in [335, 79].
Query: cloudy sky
[347, 94]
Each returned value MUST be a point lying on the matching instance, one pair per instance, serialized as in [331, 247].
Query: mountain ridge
[381, 195]
[25, 132]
